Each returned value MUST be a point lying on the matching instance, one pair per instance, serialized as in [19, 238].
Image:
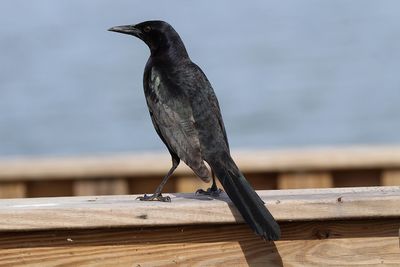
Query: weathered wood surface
[320, 227]
[149, 164]
[187, 209]
[327, 243]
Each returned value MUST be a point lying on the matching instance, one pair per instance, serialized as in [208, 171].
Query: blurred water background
[287, 73]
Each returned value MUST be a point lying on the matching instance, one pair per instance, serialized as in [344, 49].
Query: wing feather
[172, 117]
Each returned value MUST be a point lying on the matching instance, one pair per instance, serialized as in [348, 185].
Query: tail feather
[246, 200]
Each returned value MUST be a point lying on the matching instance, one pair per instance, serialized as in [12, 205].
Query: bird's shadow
[257, 251]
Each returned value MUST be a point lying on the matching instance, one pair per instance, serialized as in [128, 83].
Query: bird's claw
[214, 192]
[154, 197]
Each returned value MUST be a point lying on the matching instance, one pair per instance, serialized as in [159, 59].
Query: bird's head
[158, 35]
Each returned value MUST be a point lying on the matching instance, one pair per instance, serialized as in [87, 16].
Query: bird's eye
[147, 29]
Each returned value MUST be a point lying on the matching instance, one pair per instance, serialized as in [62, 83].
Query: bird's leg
[212, 191]
[157, 196]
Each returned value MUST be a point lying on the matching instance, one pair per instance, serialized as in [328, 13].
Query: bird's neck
[172, 50]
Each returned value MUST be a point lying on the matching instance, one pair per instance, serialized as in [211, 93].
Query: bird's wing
[172, 117]
[212, 98]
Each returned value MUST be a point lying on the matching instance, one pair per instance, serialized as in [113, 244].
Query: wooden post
[295, 180]
[391, 177]
[113, 186]
[12, 189]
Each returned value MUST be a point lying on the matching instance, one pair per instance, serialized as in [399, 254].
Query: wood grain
[187, 209]
[156, 164]
[328, 243]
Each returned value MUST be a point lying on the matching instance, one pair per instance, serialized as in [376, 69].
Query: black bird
[186, 115]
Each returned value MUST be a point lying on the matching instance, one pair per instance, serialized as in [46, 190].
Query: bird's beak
[127, 29]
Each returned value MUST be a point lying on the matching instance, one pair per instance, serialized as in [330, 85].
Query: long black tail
[246, 200]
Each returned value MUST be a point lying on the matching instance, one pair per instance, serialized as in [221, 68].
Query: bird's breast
[155, 81]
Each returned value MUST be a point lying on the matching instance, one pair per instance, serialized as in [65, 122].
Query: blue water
[287, 73]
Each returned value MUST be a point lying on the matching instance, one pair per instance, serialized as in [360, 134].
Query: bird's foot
[214, 192]
[154, 197]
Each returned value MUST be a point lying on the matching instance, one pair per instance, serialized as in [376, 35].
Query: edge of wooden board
[189, 209]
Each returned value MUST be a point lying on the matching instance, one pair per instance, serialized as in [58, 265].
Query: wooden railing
[133, 174]
[322, 227]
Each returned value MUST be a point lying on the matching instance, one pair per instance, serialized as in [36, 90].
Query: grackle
[187, 117]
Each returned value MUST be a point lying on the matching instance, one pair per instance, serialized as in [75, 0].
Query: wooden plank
[327, 158]
[92, 187]
[186, 209]
[345, 178]
[327, 243]
[295, 180]
[391, 177]
[49, 188]
[248, 161]
[262, 181]
[146, 164]
[12, 189]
